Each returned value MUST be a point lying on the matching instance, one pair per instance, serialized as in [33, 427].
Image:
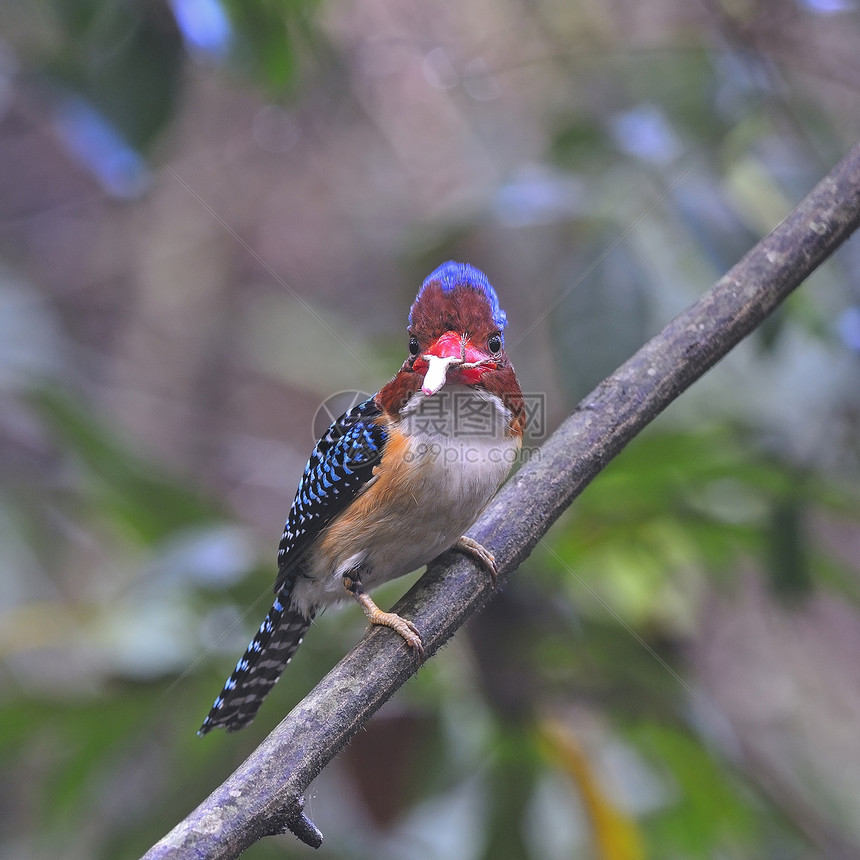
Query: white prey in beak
[434, 379]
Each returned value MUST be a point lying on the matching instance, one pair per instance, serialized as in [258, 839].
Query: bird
[394, 482]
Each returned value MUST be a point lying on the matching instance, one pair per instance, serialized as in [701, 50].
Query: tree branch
[265, 795]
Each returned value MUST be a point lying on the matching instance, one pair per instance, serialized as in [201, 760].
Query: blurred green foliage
[115, 482]
[269, 32]
[636, 690]
[120, 56]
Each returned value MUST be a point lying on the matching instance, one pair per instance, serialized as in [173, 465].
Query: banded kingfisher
[394, 482]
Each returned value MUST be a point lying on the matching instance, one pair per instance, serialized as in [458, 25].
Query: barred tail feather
[261, 665]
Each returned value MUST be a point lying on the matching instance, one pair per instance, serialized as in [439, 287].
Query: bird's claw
[379, 618]
[405, 628]
[479, 553]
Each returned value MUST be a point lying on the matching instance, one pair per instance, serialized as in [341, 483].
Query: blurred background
[214, 215]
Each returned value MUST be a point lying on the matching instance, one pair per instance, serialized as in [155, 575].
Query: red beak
[461, 362]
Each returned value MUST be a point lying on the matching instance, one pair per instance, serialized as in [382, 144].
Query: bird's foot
[405, 628]
[478, 553]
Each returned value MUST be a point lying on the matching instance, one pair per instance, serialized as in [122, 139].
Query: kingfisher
[394, 482]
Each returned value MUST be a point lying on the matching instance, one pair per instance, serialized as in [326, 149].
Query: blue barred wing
[340, 466]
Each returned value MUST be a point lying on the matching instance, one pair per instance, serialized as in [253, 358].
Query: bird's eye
[494, 343]
[414, 347]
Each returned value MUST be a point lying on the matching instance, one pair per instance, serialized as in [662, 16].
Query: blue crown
[451, 275]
